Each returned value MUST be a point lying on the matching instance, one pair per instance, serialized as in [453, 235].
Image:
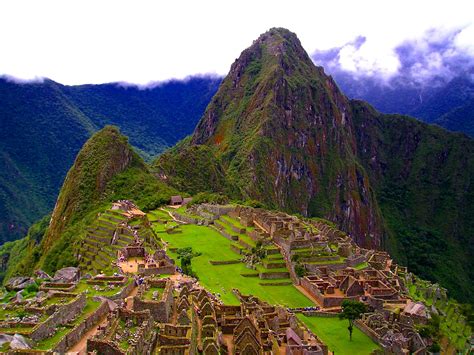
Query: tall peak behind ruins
[279, 120]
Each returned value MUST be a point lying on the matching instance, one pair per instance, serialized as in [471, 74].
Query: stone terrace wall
[124, 292]
[169, 270]
[160, 310]
[185, 219]
[218, 210]
[78, 332]
[63, 315]
[370, 333]
[274, 275]
[103, 347]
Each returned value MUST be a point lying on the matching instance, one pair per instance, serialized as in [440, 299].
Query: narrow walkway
[173, 217]
[81, 347]
[129, 298]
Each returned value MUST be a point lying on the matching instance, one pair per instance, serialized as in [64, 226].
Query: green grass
[361, 266]
[148, 295]
[223, 278]
[234, 221]
[49, 343]
[333, 332]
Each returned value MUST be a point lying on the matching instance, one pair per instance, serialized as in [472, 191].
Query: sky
[78, 42]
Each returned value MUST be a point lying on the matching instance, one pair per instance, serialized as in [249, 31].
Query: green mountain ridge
[43, 125]
[106, 169]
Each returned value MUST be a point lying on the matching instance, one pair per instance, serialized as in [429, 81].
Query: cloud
[13, 79]
[434, 58]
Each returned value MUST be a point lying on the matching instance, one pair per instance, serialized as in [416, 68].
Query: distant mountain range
[448, 104]
[43, 125]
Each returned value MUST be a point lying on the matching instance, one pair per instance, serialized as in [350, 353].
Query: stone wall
[184, 218]
[124, 292]
[224, 262]
[168, 270]
[103, 347]
[160, 310]
[274, 275]
[63, 315]
[218, 210]
[228, 235]
[369, 332]
[78, 332]
[324, 300]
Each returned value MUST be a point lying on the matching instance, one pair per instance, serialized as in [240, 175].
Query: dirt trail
[81, 346]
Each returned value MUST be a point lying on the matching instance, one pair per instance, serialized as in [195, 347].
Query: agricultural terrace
[221, 279]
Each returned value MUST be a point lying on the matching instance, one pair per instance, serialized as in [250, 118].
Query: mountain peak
[106, 154]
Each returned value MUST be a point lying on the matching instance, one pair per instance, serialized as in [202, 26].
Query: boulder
[19, 342]
[19, 283]
[18, 298]
[67, 275]
[42, 275]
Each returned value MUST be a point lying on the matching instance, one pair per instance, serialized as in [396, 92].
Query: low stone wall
[168, 270]
[124, 292]
[238, 229]
[274, 265]
[236, 249]
[63, 315]
[274, 275]
[245, 244]
[284, 283]
[185, 219]
[57, 286]
[320, 314]
[250, 274]
[224, 262]
[74, 336]
[103, 347]
[351, 262]
[370, 333]
[320, 258]
[313, 267]
[218, 210]
[228, 235]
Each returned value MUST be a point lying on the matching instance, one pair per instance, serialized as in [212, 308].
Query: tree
[352, 310]
[186, 255]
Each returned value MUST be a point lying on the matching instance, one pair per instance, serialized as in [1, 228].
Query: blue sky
[76, 42]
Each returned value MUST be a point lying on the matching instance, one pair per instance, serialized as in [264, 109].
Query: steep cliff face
[284, 135]
[422, 177]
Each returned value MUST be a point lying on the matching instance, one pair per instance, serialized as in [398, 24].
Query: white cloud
[141, 41]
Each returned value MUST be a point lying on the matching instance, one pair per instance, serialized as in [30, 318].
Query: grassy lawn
[333, 332]
[223, 278]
